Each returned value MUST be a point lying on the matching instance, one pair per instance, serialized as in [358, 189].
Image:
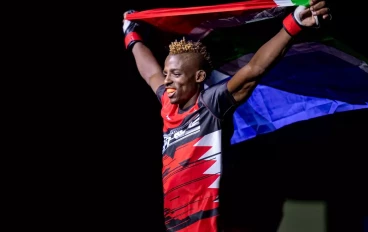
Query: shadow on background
[316, 160]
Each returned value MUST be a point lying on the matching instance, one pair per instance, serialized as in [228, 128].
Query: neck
[190, 102]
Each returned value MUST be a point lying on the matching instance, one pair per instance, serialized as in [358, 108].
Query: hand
[309, 17]
[126, 22]
[132, 32]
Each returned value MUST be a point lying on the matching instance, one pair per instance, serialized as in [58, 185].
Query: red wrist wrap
[291, 26]
[131, 37]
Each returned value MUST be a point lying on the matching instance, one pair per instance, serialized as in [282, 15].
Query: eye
[177, 74]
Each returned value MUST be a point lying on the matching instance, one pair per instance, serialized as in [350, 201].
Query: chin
[173, 101]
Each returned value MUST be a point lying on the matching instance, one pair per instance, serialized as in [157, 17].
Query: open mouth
[170, 92]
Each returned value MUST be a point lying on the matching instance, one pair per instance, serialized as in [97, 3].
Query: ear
[200, 76]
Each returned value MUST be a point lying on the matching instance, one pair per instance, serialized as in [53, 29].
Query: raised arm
[245, 80]
[147, 64]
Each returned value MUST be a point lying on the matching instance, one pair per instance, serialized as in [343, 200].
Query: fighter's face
[182, 77]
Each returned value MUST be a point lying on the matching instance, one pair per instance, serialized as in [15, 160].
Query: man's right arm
[147, 64]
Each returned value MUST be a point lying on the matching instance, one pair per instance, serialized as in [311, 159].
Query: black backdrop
[330, 167]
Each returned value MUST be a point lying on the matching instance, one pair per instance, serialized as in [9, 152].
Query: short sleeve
[160, 92]
[219, 100]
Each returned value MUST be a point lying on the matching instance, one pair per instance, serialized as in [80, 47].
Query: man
[198, 122]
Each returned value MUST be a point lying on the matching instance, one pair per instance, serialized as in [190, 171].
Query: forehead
[180, 61]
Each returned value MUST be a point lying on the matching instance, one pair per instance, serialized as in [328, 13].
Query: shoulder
[216, 91]
[218, 99]
[160, 93]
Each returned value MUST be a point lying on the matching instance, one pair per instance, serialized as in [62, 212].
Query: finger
[317, 6]
[305, 13]
[327, 16]
[322, 11]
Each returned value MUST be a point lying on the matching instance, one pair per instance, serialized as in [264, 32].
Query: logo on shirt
[176, 135]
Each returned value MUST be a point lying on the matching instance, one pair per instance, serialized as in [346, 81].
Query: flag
[318, 76]
[181, 20]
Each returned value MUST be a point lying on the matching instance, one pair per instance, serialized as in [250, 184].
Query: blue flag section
[292, 93]
[312, 80]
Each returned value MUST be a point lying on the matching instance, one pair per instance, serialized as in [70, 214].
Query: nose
[167, 80]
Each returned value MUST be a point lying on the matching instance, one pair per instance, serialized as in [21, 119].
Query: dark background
[319, 160]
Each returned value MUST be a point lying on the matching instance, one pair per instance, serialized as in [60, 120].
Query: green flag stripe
[300, 2]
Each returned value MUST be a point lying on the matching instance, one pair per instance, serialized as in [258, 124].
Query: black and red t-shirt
[194, 142]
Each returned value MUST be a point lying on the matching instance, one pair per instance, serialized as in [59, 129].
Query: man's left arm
[245, 80]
